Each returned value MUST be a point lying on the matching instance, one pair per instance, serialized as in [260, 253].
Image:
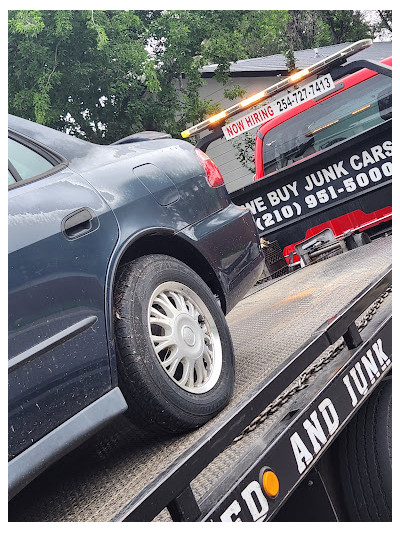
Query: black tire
[156, 402]
[365, 451]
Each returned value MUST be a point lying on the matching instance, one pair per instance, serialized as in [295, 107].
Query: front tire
[174, 349]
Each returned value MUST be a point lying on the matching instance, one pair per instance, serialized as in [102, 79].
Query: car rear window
[27, 162]
[340, 117]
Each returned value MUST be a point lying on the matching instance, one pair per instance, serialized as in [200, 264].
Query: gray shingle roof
[304, 58]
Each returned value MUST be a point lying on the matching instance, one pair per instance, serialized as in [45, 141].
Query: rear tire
[174, 349]
[365, 451]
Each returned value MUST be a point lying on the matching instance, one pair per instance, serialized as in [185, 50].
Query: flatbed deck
[106, 479]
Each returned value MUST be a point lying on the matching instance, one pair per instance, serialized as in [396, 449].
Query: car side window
[345, 114]
[26, 161]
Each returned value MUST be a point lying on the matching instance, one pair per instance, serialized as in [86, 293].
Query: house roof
[276, 64]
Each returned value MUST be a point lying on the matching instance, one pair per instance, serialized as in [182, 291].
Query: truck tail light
[214, 176]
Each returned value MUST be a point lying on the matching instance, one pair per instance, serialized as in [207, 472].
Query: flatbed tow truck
[311, 348]
[323, 151]
[306, 437]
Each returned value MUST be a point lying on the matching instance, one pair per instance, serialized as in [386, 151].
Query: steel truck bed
[279, 331]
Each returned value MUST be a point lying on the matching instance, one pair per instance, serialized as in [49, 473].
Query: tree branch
[55, 64]
[385, 20]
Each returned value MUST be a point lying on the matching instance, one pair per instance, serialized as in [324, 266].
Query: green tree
[105, 74]
[314, 28]
[385, 19]
[381, 21]
[80, 69]
[346, 25]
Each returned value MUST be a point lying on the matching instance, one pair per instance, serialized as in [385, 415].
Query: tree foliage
[310, 29]
[105, 74]
[346, 25]
[385, 16]
[382, 24]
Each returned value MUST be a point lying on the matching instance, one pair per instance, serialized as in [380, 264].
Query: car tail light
[213, 174]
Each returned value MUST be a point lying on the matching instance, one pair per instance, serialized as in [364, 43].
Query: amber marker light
[185, 134]
[216, 118]
[252, 99]
[270, 483]
[298, 75]
[322, 127]
[361, 109]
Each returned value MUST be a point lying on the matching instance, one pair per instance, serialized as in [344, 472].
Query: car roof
[64, 144]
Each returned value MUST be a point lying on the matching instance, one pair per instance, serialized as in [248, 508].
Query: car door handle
[79, 223]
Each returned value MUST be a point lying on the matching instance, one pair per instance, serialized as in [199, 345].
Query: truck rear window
[336, 119]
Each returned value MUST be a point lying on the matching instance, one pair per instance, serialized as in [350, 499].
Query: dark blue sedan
[123, 260]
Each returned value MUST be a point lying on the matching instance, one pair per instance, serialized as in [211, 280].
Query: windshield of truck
[336, 119]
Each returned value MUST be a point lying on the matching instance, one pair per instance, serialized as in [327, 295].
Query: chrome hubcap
[185, 337]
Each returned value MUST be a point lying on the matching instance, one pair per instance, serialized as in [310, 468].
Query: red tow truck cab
[333, 153]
